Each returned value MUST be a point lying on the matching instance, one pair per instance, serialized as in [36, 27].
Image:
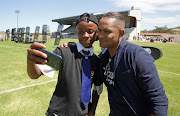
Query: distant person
[67, 99]
[138, 37]
[128, 71]
[134, 37]
[169, 40]
[141, 37]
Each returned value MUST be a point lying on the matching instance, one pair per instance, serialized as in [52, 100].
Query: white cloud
[150, 23]
[149, 6]
[162, 20]
[168, 11]
[171, 8]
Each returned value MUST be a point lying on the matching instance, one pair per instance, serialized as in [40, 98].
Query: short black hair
[115, 15]
[119, 19]
[87, 17]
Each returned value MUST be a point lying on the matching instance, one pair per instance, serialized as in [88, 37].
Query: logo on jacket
[109, 75]
[92, 74]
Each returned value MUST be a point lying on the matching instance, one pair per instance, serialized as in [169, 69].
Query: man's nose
[85, 35]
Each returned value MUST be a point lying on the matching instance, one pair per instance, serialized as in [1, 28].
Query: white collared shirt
[49, 71]
[80, 47]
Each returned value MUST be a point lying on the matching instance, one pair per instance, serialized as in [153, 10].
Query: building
[154, 36]
[176, 30]
[132, 26]
[161, 36]
[2, 34]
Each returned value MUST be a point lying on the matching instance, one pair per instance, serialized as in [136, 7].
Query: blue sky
[39, 12]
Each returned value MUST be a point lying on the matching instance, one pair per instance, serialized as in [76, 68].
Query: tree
[163, 29]
[144, 31]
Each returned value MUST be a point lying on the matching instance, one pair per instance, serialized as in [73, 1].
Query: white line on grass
[15, 89]
[168, 72]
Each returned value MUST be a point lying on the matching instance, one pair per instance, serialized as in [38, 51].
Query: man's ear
[121, 32]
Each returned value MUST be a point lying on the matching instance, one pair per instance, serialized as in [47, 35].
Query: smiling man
[79, 70]
[128, 71]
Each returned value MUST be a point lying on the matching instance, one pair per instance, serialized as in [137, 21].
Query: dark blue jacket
[138, 80]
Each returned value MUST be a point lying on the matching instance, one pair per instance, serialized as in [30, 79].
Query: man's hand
[67, 44]
[64, 45]
[35, 56]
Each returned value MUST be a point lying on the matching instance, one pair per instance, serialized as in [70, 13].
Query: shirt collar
[80, 47]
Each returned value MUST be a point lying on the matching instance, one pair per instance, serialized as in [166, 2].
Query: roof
[176, 29]
[153, 33]
[2, 33]
[72, 19]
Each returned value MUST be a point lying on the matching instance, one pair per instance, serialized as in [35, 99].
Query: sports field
[22, 96]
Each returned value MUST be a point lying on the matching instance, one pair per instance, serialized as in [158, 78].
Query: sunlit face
[108, 33]
[86, 32]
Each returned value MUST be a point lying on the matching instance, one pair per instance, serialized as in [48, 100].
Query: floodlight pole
[17, 11]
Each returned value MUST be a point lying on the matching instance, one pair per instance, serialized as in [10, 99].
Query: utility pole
[17, 11]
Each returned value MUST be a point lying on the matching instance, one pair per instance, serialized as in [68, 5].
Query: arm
[95, 98]
[35, 57]
[33, 71]
[97, 89]
[150, 84]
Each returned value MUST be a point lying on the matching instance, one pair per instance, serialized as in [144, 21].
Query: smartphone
[53, 60]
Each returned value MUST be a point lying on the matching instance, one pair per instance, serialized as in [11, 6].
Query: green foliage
[163, 29]
[34, 100]
[176, 27]
[144, 31]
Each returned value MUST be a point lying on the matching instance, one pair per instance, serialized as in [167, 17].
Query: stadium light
[17, 11]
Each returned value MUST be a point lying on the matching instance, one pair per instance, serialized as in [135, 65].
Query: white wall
[137, 14]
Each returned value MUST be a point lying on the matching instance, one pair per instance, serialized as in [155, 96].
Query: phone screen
[53, 60]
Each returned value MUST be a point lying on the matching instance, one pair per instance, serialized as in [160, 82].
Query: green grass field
[33, 100]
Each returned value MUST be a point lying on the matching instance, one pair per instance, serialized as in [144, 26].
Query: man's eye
[90, 32]
[106, 31]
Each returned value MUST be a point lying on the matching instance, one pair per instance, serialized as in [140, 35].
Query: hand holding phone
[53, 60]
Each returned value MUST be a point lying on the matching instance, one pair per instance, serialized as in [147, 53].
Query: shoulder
[95, 56]
[136, 50]
[139, 57]
[103, 53]
[130, 47]
[135, 53]
[65, 51]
